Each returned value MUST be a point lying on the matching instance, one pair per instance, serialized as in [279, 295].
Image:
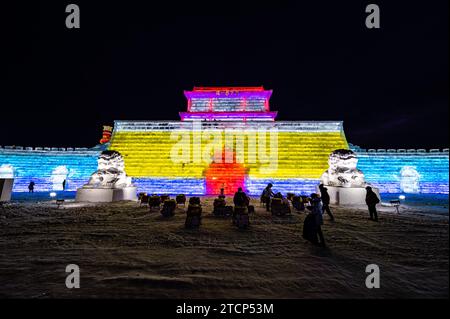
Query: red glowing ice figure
[229, 176]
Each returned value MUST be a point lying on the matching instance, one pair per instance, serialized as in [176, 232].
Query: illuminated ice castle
[227, 138]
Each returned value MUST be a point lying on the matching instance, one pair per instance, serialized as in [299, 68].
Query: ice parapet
[343, 171]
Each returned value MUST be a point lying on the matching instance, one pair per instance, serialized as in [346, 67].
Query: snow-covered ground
[123, 250]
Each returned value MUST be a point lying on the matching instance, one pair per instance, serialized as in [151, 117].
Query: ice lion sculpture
[343, 171]
[110, 172]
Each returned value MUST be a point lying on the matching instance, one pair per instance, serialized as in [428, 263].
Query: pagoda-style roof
[228, 103]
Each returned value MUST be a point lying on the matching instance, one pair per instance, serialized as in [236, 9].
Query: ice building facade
[227, 138]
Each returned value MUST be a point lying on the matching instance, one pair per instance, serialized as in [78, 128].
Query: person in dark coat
[312, 226]
[372, 200]
[325, 200]
[64, 185]
[267, 195]
[240, 198]
[31, 187]
[310, 229]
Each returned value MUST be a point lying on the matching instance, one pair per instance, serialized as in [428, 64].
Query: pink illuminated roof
[228, 92]
[229, 88]
[228, 116]
[228, 103]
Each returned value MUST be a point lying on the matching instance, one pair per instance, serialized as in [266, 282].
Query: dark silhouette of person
[309, 229]
[325, 200]
[266, 196]
[372, 200]
[31, 187]
[240, 198]
[64, 185]
[312, 226]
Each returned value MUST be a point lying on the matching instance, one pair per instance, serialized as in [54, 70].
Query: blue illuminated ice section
[392, 171]
[171, 186]
[300, 186]
[48, 167]
[405, 171]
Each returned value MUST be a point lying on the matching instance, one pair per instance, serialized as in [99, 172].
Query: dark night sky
[132, 60]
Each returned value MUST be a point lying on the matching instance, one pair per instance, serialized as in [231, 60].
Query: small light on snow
[52, 194]
[402, 197]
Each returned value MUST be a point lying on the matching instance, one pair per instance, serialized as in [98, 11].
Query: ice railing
[286, 126]
[402, 151]
[49, 149]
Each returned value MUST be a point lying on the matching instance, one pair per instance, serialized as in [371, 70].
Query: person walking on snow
[372, 200]
[325, 200]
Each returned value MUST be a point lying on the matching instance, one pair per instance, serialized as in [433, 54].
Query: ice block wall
[405, 171]
[303, 149]
[48, 167]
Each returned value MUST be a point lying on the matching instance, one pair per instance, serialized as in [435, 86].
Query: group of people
[319, 205]
[312, 226]
[32, 184]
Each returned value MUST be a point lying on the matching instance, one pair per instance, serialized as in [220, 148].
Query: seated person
[193, 216]
[286, 202]
[284, 208]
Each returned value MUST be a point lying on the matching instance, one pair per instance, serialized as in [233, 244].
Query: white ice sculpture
[110, 172]
[344, 181]
[109, 183]
[343, 171]
[6, 171]
[59, 174]
[409, 180]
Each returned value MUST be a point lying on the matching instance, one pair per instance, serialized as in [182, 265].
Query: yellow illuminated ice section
[300, 154]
